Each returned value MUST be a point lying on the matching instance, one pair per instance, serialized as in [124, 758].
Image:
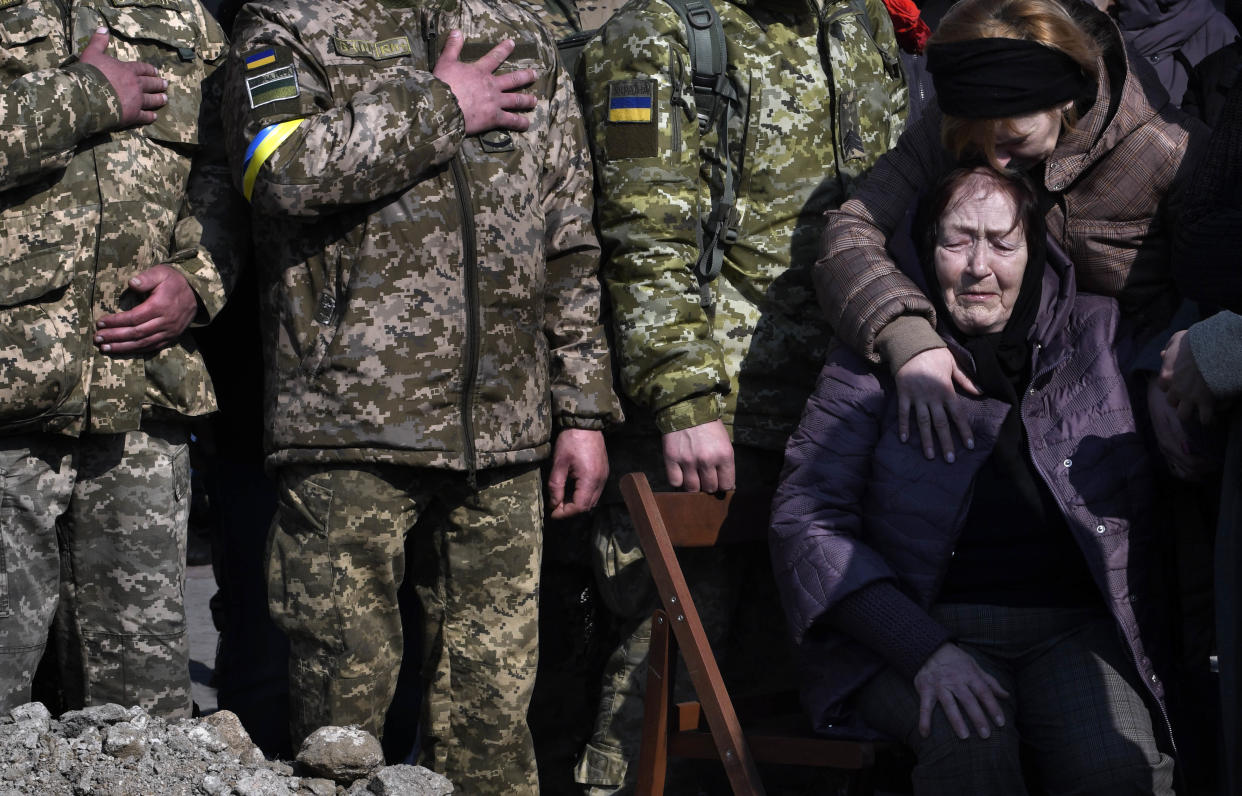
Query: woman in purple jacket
[968, 609]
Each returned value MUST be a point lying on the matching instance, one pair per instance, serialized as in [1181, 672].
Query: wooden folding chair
[778, 732]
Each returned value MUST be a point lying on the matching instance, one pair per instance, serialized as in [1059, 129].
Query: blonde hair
[1043, 21]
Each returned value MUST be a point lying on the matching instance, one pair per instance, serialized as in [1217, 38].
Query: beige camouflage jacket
[822, 96]
[430, 299]
[85, 208]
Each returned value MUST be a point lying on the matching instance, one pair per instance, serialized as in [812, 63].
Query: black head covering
[1000, 78]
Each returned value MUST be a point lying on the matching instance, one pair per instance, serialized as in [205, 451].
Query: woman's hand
[952, 678]
[925, 384]
[1171, 436]
[1183, 383]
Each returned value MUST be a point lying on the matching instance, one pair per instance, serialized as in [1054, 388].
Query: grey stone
[409, 781]
[205, 737]
[231, 731]
[124, 741]
[263, 782]
[33, 714]
[341, 754]
[316, 786]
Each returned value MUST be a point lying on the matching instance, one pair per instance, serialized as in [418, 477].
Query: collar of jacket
[1126, 98]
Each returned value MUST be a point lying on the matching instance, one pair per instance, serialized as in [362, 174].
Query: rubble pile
[115, 751]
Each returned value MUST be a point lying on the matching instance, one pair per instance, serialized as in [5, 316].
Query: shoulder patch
[375, 50]
[631, 101]
[10, 3]
[630, 130]
[280, 83]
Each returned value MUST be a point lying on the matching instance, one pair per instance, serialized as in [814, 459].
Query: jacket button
[1100, 529]
[1155, 679]
[1068, 462]
[1032, 391]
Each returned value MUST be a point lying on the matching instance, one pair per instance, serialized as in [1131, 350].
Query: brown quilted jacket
[1112, 185]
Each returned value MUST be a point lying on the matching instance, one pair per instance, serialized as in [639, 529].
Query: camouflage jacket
[430, 299]
[86, 207]
[565, 18]
[822, 97]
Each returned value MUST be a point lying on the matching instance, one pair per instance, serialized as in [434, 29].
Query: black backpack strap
[716, 100]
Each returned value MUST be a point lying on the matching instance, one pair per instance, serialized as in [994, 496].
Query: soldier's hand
[700, 458]
[139, 86]
[487, 100]
[164, 314]
[578, 456]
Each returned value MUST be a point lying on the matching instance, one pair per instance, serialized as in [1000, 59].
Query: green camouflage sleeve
[210, 235]
[582, 395]
[646, 143]
[45, 114]
[333, 151]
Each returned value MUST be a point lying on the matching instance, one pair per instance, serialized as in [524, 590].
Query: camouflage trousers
[93, 533]
[741, 631]
[335, 561]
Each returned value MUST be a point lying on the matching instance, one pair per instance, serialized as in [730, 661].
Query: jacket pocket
[868, 84]
[173, 37]
[27, 32]
[40, 323]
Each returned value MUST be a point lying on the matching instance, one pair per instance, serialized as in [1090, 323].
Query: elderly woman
[967, 609]
[1039, 86]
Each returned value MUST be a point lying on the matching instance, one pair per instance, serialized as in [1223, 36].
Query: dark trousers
[1074, 704]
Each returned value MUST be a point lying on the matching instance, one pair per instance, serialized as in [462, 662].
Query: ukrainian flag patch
[631, 101]
[260, 58]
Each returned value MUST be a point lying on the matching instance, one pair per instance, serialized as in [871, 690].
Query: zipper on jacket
[677, 103]
[470, 257]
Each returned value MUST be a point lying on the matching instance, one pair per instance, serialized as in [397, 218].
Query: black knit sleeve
[1207, 253]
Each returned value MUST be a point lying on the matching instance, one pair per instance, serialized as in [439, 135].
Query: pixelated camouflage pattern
[387, 342]
[476, 569]
[86, 207]
[821, 100]
[119, 503]
[566, 17]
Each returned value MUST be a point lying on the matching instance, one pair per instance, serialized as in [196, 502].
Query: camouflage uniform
[431, 304]
[821, 98]
[564, 18]
[92, 444]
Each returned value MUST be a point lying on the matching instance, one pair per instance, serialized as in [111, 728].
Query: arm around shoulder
[860, 287]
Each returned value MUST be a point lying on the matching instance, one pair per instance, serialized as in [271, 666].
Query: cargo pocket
[27, 34]
[169, 35]
[41, 334]
[301, 575]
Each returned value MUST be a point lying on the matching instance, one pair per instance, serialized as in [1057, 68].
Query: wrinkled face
[980, 257]
[1024, 141]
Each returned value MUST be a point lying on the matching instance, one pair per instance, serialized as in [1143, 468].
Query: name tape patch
[277, 84]
[631, 101]
[375, 50]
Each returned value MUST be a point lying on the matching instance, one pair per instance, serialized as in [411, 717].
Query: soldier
[718, 367]
[115, 218]
[429, 272]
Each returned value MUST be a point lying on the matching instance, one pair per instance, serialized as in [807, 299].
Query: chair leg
[657, 706]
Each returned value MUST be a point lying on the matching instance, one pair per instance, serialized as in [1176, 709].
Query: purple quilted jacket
[856, 505]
